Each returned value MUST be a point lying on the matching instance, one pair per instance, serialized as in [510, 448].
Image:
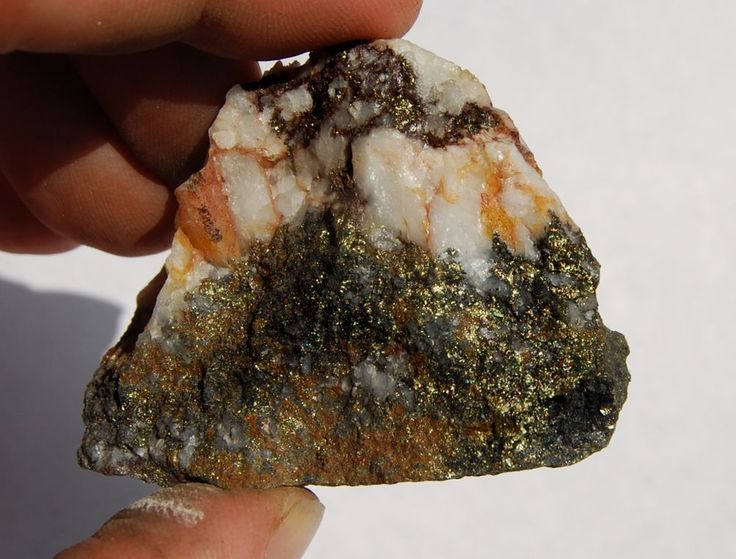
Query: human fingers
[255, 30]
[20, 231]
[161, 102]
[199, 521]
[69, 168]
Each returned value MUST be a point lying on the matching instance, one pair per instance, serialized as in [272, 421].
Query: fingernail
[302, 516]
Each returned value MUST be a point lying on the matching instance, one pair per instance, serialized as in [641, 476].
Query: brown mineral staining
[205, 217]
[495, 220]
[337, 351]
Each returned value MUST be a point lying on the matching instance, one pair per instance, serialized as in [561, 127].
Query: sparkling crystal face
[371, 283]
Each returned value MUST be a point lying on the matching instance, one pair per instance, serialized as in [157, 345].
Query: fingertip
[302, 516]
[197, 520]
[269, 29]
[401, 16]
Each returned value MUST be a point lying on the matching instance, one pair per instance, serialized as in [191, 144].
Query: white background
[630, 108]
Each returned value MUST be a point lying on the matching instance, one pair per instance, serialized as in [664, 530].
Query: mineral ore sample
[371, 282]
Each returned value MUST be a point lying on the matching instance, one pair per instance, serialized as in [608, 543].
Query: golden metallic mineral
[371, 282]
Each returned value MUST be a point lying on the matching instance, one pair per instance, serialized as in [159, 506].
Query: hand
[104, 110]
[195, 520]
[92, 146]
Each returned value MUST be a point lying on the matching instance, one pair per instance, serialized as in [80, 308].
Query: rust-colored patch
[442, 191]
[205, 217]
[493, 217]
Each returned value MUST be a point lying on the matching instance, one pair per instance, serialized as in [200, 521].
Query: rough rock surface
[370, 283]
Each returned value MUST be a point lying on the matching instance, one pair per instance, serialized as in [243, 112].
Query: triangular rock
[370, 283]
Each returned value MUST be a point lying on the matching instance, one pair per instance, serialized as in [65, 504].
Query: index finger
[254, 29]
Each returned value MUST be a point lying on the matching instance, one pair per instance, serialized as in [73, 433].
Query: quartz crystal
[371, 282]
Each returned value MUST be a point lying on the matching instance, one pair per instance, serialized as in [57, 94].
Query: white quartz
[450, 199]
[440, 82]
[295, 102]
[433, 196]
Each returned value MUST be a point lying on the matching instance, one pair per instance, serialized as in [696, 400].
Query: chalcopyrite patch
[371, 282]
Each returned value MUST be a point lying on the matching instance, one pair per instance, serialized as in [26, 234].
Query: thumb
[200, 521]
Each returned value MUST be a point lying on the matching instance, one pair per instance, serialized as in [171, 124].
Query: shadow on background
[50, 344]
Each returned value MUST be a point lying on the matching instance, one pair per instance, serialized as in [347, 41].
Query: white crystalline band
[453, 197]
[456, 197]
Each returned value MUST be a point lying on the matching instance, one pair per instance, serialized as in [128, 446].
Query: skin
[92, 146]
[104, 110]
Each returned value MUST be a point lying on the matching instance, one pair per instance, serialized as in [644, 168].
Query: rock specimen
[370, 283]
